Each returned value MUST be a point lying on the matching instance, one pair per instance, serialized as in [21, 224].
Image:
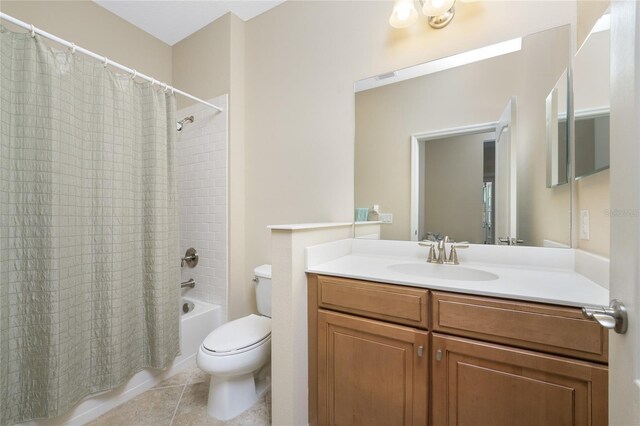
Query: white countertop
[551, 280]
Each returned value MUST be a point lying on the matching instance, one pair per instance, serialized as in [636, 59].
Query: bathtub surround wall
[202, 158]
[211, 62]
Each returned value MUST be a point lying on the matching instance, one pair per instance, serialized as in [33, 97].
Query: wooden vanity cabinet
[476, 383]
[492, 361]
[371, 372]
[364, 371]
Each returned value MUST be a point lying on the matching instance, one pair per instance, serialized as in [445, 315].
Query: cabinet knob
[420, 350]
[439, 355]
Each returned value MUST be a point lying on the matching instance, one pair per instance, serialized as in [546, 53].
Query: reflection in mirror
[557, 134]
[591, 100]
[470, 215]
[441, 148]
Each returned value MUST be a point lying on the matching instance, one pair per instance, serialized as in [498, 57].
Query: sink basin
[443, 272]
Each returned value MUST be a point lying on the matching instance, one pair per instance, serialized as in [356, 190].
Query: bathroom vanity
[389, 350]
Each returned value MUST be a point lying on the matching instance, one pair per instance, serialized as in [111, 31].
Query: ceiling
[173, 20]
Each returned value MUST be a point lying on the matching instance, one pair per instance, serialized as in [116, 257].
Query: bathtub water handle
[190, 258]
[191, 283]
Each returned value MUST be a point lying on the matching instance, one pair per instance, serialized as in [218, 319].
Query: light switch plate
[386, 217]
[584, 224]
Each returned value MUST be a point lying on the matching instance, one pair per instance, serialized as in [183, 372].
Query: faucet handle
[460, 246]
[432, 254]
[453, 256]
[431, 257]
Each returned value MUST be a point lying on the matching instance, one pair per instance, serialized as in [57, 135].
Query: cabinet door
[371, 372]
[476, 383]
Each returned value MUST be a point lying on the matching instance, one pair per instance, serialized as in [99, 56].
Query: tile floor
[180, 400]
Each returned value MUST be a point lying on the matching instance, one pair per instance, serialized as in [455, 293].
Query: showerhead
[185, 120]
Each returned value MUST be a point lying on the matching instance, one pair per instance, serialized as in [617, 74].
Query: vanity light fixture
[438, 12]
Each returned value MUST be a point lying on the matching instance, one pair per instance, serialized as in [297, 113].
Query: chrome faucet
[442, 250]
[432, 253]
[442, 258]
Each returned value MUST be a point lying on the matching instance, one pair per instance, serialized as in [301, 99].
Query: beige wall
[594, 195]
[93, 27]
[202, 62]
[588, 12]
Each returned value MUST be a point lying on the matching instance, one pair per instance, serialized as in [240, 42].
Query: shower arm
[191, 283]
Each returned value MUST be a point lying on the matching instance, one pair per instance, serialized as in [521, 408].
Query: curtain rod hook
[106, 62]
[134, 75]
[33, 30]
[73, 48]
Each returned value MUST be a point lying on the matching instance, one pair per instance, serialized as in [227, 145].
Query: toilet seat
[241, 335]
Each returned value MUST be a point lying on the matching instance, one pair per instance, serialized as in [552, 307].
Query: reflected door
[505, 208]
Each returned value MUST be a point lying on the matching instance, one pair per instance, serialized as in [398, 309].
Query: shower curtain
[89, 261]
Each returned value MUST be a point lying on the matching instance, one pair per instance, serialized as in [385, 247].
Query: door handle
[613, 317]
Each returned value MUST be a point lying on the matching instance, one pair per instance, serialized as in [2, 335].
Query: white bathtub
[194, 327]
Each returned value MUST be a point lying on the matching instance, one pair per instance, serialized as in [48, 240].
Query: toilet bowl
[237, 355]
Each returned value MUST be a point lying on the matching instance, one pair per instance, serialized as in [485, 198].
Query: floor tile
[198, 376]
[153, 407]
[182, 378]
[192, 409]
[258, 415]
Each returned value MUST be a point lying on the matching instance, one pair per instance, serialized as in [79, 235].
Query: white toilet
[238, 354]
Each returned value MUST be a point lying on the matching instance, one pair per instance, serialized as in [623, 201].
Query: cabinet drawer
[403, 305]
[552, 329]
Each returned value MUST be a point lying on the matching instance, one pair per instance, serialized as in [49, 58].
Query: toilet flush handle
[255, 280]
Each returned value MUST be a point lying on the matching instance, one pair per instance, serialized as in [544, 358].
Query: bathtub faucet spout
[191, 283]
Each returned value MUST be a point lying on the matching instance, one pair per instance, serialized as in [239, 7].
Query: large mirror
[591, 102]
[457, 147]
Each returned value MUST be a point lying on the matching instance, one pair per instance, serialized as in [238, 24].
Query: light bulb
[403, 15]
[437, 7]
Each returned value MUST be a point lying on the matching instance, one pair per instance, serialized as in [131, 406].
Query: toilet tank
[263, 289]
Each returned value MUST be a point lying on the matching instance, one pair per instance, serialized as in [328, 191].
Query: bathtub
[195, 325]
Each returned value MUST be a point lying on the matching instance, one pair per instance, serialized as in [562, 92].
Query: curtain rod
[106, 61]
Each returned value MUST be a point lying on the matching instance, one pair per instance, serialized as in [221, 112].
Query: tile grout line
[175, 411]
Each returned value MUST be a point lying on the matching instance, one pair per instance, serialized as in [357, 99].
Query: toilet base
[231, 396]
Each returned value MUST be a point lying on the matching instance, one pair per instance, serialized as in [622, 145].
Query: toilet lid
[238, 334]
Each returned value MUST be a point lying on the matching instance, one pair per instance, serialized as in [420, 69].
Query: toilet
[237, 355]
